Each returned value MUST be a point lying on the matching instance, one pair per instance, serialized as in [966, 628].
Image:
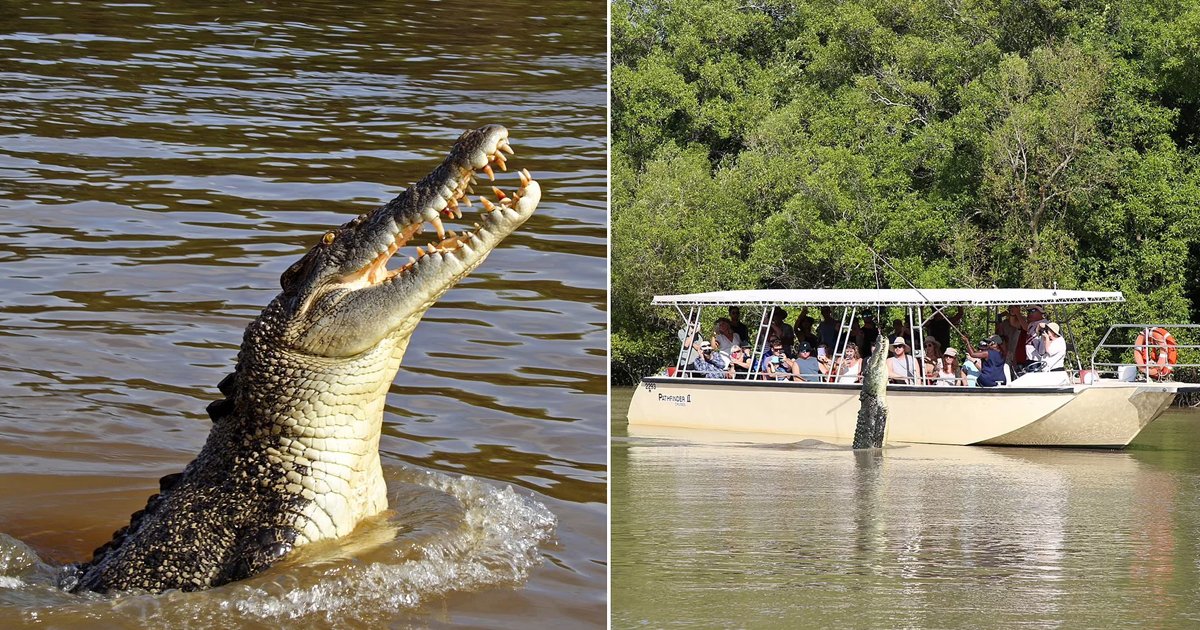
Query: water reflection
[764, 534]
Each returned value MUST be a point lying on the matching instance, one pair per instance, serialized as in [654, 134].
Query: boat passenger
[780, 329]
[1052, 348]
[724, 338]
[1035, 316]
[868, 332]
[808, 367]
[778, 365]
[803, 328]
[991, 372]
[849, 368]
[689, 335]
[900, 328]
[938, 326]
[736, 325]
[1012, 327]
[827, 330]
[768, 352]
[708, 363]
[902, 368]
[950, 372]
[739, 362]
[970, 367]
[933, 350]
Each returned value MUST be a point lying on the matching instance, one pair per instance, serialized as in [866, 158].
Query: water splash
[444, 534]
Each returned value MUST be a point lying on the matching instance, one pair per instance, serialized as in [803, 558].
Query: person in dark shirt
[991, 373]
[938, 326]
[869, 333]
[827, 330]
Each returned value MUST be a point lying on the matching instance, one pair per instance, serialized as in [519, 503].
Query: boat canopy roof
[890, 297]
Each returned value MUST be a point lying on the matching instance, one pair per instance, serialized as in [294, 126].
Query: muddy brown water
[713, 531]
[162, 164]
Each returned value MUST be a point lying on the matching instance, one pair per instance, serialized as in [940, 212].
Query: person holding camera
[708, 363]
[739, 362]
[991, 372]
[809, 368]
[777, 365]
[1051, 348]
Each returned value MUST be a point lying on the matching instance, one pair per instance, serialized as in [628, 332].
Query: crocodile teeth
[487, 204]
[499, 193]
[437, 223]
[488, 169]
[501, 163]
[524, 174]
[503, 146]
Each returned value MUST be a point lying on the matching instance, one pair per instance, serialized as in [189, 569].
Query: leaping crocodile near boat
[293, 453]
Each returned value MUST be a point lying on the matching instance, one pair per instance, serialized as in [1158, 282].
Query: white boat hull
[1108, 414]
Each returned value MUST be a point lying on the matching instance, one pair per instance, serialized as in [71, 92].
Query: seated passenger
[708, 363]
[848, 369]
[778, 365]
[739, 362]
[724, 338]
[991, 372]
[929, 368]
[808, 367]
[950, 373]
[902, 367]
[768, 352]
[970, 367]
[932, 359]
[900, 329]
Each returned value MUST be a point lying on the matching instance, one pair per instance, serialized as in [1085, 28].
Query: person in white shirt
[1052, 350]
[724, 339]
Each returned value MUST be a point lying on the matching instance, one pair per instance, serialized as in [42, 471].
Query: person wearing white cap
[709, 363]
[1052, 348]
[902, 368]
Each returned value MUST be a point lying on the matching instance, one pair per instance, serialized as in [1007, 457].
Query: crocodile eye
[328, 238]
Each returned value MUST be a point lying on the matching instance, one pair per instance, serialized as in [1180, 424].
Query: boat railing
[1130, 369]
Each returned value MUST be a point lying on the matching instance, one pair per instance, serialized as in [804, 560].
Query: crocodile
[872, 411]
[293, 453]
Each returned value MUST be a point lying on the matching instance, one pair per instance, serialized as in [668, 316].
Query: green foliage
[775, 143]
[633, 358]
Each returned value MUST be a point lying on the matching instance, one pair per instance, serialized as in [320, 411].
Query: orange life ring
[1155, 355]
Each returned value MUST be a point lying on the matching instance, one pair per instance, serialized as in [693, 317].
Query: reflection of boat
[1047, 409]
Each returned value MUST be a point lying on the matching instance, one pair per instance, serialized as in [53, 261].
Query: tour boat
[1103, 405]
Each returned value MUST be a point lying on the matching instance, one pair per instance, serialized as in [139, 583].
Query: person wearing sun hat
[902, 368]
[1052, 348]
[949, 372]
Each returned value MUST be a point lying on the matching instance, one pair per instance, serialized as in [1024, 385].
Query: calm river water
[162, 163]
[806, 535]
